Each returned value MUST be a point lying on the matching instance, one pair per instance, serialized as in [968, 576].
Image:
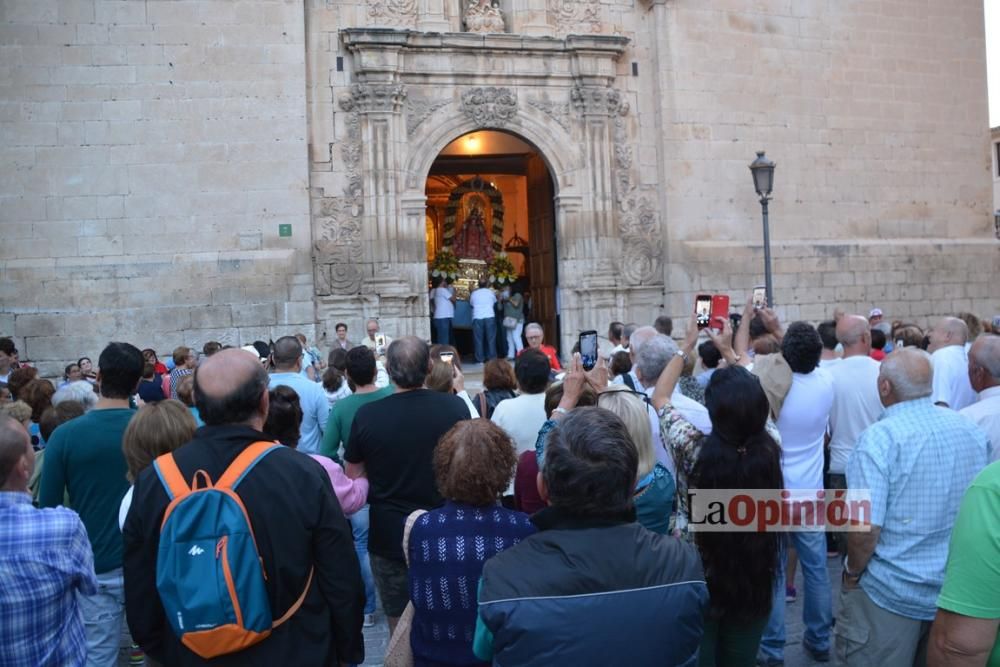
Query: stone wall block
[206, 317]
[255, 315]
[299, 312]
[30, 324]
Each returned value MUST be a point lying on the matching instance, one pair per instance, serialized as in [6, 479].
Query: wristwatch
[562, 411]
[852, 575]
[682, 354]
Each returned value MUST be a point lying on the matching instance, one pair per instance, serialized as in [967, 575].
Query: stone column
[597, 106]
[392, 231]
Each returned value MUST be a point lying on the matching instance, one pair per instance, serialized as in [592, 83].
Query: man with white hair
[984, 375]
[535, 335]
[651, 352]
[916, 462]
[951, 364]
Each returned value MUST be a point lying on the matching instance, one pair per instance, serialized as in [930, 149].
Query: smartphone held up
[588, 349]
[711, 310]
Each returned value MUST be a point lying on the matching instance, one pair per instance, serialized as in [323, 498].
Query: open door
[542, 254]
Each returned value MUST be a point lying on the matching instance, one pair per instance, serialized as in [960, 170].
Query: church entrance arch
[491, 213]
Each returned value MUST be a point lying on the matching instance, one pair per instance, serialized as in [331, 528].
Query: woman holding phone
[742, 452]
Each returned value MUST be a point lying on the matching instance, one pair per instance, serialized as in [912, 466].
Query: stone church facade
[183, 170]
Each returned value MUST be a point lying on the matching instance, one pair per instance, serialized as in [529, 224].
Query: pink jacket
[352, 493]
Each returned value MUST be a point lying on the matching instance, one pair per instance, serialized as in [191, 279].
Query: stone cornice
[410, 56]
[389, 38]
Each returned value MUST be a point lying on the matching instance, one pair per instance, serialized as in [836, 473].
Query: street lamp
[763, 180]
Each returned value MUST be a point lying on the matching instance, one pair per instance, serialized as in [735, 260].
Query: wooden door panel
[541, 240]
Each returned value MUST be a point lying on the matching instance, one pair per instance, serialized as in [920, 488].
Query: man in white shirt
[984, 375]
[828, 334]
[443, 300]
[287, 358]
[802, 424]
[951, 364]
[484, 323]
[856, 403]
[376, 341]
[523, 416]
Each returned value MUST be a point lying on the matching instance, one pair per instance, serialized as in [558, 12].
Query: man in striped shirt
[44, 563]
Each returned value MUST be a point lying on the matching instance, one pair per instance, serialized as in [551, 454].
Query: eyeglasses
[639, 394]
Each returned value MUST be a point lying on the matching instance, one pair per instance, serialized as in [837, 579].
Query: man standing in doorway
[443, 300]
[484, 325]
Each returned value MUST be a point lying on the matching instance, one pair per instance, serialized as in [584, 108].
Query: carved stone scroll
[392, 12]
[419, 110]
[483, 16]
[575, 16]
[490, 107]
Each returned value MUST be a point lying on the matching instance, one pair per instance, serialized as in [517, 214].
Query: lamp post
[762, 170]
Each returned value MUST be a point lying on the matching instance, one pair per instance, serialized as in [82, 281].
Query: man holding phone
[376, 341]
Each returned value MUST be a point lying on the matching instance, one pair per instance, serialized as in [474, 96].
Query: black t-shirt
[395, 439]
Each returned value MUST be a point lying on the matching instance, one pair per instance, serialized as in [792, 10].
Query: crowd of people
[258, 505]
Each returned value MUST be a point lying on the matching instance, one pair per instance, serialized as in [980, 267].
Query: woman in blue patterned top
[473, 464]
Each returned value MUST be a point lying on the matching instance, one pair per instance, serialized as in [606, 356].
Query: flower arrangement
[501, 269]
[445, 264]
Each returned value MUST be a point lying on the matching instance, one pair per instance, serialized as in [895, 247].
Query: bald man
[297, 521]
[916, 462]
[952, 388]
[984, 375]
[856, 404]
[45, 563]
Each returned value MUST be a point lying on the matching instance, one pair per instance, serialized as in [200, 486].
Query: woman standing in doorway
[513, 322]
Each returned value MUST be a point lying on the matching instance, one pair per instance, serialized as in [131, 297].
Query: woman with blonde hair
[157, 428]
[655, 486]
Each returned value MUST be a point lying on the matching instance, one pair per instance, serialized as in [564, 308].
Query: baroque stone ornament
[558, 112]
[364, 97]
[483, 16]
[337, 250]
[575, 16]
[392, 12]
[598, 100]
[419, 110]
[638, 218]
[490, 107]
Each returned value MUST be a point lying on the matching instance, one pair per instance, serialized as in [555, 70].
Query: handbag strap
[410, 520]
[483, 407]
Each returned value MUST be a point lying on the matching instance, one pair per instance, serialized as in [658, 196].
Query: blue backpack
[209, 573]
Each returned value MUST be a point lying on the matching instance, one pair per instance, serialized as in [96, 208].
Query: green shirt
[972, 578]
[84, 458]
[338, 424]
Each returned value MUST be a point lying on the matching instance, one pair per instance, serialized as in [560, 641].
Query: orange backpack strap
[242, 464]
[298, 603]
[170, 475]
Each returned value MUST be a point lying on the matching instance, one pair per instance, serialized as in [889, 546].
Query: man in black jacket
[592, 586]
[296, 519]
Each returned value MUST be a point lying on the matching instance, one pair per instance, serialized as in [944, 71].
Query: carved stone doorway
[504, 180]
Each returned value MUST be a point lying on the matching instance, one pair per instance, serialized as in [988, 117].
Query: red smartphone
[703, 310]
[720, 311]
